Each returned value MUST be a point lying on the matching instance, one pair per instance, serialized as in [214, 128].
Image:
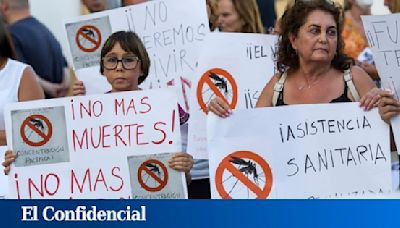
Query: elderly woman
[312, 68]
[239, 16]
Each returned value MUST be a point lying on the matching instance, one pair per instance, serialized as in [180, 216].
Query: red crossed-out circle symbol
[155, 170]
[223, 78]
[242, 173]
[88, 38]
[37, 125]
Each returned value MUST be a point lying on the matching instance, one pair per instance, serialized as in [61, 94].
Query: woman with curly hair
[312, 67]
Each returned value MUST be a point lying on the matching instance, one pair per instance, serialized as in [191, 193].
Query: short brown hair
[130, 42]
[295, 17]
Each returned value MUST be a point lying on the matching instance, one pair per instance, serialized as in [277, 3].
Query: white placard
[299, 151]
[84, 147]
[383, 37]
[237, 66]
[172, 32]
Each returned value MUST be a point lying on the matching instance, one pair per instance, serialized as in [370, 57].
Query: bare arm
[362, 81]
[265, 99]
[29, 88]
[56, 89]
[371, 70]
[366, 88]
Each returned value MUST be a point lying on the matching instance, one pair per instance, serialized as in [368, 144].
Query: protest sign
[86, 38]
[83, 147]
[233, 66]
[299, 151]
[172, 32]
[156, 180]
[383, 33]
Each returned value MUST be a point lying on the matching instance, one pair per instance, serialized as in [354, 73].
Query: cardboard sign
[40, 136]
[172, 32]
[299, 151]
[86, 38]
[92, 144]
[234, 67]
[156, 180]
[383, 38]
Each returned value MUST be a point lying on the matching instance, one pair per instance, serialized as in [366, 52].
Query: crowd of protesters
[314, 56]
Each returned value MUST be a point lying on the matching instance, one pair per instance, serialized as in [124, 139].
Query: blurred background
[54, 13]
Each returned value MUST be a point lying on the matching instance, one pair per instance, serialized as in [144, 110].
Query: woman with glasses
[312, 67]
[125, 63]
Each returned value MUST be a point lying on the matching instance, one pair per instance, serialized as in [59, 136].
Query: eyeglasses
[128, 62]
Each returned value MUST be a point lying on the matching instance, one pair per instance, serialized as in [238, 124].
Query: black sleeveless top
[341, 98]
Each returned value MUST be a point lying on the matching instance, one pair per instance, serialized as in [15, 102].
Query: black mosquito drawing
[249, 168]
[37, 123]
[220, 82]
[89, 32]
[155, 169]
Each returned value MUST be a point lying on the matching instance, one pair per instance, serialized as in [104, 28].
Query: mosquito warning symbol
[217, 82]
[152, 175]
[36, 130]
[243, 174]
[88, 38]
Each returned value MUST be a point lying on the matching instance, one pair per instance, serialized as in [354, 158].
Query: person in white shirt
[17, 80]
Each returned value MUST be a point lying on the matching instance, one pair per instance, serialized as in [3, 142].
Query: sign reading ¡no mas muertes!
[89, 146]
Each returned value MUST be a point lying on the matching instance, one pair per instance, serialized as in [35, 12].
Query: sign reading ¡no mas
[85, 147]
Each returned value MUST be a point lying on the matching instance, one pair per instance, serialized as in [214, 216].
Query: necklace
[308, 86]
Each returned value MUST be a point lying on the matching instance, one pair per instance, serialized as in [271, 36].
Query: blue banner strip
[200, 213]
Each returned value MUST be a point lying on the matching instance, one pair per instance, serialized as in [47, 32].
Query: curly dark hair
[293, 19]
[130, 42]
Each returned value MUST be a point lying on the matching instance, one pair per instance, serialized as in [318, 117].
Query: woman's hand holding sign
[219, 107]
